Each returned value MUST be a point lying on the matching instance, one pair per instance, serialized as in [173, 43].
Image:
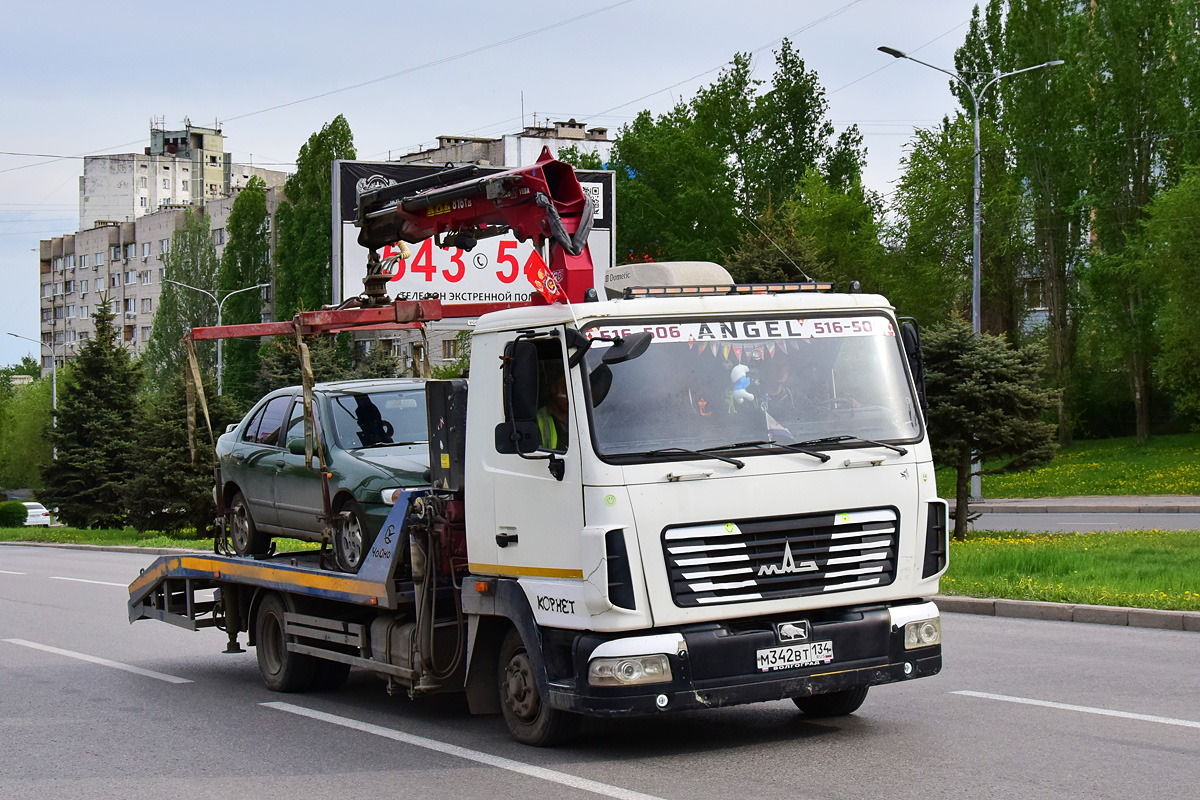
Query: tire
[282, 670]
[244, 536]
[834, 704]
[529, 720]
[352, 539]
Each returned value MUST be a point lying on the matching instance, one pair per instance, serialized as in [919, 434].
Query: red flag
[539, 275]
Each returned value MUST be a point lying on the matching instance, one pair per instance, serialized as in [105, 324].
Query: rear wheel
[529, 719]
[834, 704]
[352, 540]
[282, 670]
[244, 536]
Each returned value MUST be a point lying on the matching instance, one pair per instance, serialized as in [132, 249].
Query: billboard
[489, 273]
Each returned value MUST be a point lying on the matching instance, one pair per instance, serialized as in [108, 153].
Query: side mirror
[600, 381]
[519, 431]
[629, 348]
[295, 445]
[231, 427]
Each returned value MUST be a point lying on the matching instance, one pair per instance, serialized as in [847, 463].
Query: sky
[86, 78]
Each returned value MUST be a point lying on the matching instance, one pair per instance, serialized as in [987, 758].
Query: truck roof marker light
[726, 289]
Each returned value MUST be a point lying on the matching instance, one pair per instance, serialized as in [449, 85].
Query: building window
[99, 262]
[130, 305]
[70, 312]
[114, 281]
[450, 349]
[147, 277]
[147, 305]
[218, 236]
[68, 287]
[83, 287]
[162, 274]
[71, 335]
[83, 261]
[69, 261]
[166, 183]
[58, 264]
[129, 277]
[58, 288]
[46, 314]
[145, 249]
[114, 252]
[47, 289]
[164, 245]
[131, 251]
[47, 362]
[145, 333]
[142, 202]
[184, 185]
[83, 312]
[58, 312]
[142, 184]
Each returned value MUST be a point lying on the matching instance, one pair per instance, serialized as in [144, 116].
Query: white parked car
[37, 514]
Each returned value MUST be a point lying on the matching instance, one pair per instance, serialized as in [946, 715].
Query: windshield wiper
[844, 438]
[795, 448]
[701, 453]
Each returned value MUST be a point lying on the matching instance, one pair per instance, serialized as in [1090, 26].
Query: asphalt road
[1082, 523]
[1023, 709]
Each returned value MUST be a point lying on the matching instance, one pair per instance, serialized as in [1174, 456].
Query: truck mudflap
[756, 660]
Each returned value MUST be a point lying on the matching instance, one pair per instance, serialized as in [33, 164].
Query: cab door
[538, 516]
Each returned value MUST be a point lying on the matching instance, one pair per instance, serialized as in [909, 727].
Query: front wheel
[834, 704]
[529, 720]
[352, 539]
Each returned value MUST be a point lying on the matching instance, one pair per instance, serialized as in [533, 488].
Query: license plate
[795, 655]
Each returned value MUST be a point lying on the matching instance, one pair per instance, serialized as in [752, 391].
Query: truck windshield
[720, 382]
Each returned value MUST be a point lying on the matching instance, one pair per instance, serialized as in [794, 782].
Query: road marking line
[85, 580]
[10, 572]
[477, 756]
[104, 662]
[1104, 712]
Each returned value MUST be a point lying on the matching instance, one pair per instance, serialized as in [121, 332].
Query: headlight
[390, 496]
[629, 670]
[922, 633]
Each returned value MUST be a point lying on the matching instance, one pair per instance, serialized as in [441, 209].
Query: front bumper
[717, 666]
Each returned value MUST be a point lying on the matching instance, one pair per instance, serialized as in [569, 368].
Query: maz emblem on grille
[789, 565]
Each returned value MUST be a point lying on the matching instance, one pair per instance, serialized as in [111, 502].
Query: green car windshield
[723, 382]
[379, 419]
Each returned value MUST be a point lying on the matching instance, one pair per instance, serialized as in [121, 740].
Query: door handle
[505, 539]
[279, 462]
[239, 457]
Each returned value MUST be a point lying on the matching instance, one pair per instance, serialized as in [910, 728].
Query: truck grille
[733, 562]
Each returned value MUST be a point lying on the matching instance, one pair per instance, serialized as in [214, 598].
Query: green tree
[167, 491]
[986, 396]
[24, 448]
[303, 277]
[332, 358]
[96, 428]
[579, 159]
[246, 261]
[192, 260]
[1169, 250]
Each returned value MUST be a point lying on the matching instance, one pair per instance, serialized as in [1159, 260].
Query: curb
[1066, 612]
[109, 548]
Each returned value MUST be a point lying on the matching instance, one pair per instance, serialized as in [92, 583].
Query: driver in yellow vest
[552, 417]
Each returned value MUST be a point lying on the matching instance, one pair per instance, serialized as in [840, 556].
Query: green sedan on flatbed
[375, 437]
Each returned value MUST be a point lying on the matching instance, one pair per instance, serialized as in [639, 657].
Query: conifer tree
[95, 432]
[988, 397]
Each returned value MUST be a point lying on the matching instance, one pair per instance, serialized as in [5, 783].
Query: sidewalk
[1157, 504]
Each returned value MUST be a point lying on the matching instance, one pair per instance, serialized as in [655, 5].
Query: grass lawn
[128, 536]
[1164, 465]
[1139, 569]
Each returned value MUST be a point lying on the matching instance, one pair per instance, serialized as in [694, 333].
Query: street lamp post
[220, 303]
[976, 490]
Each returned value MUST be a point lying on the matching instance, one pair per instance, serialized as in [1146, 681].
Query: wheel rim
[241, 528]
[520, 688]
[352, 541]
